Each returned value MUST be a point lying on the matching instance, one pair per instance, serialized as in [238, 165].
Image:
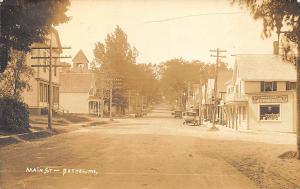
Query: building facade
[37, 97]
[208, 96]
[78, 92]
[261, 94]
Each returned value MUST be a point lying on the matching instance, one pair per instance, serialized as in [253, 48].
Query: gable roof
[80, 58]
[57, 38]
[263, 67]
[76, 82]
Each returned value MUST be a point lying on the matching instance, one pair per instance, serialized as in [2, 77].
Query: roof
[264, 67]
[76, 82]
[80, 58]
[55, 32]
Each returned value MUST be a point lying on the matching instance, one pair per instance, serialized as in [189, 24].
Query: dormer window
[268, 86]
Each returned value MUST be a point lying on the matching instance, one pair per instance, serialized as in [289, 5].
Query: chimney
[275, 47]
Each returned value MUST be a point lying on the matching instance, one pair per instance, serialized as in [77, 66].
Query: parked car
[177, 114]
[138, 114]
[190, 118]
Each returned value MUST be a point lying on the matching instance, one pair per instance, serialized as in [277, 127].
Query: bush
[14, 115]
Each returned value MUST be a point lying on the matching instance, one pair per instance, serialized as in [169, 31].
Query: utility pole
[218, 56]
[108, 77]
[298, 100]
[129, 101]
[50, 66]
[200, 102]
[110, 100]
[142, 104]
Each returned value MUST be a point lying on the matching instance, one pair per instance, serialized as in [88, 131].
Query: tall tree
[115, 57]
[177, 74]
[24, 22]
[16, 77]
[278, 15]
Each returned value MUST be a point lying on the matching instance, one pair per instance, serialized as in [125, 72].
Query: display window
[269, 112]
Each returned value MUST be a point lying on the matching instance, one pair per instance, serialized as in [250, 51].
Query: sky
[165, 29]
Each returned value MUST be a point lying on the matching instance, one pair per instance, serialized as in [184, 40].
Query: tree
[24, 22]
[178, 74]
[148, 83]
[16, 77]
[115, 57]
[276, 16]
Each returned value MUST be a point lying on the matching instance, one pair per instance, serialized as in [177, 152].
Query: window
[41, 92]
[45, 93]
[290, 85]
[268, 86]
[269, 112]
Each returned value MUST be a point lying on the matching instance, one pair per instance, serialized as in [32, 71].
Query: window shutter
[274, 85]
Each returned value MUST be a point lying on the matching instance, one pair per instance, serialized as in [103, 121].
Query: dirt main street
[152, 152]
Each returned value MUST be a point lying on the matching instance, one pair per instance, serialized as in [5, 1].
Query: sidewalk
[257, 136]
[39, 130]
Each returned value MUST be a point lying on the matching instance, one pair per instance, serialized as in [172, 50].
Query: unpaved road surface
[152, 152]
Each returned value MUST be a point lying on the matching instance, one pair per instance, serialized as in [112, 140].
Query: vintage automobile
[190, 117]
[177, 114]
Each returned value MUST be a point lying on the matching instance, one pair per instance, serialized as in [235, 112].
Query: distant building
[208, 96]
[261, 94]
[37, 97]
[78, 92]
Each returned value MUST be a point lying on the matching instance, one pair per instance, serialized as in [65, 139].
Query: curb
[7, 140]
[13, 139]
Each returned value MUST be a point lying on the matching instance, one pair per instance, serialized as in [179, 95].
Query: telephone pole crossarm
[48, 57]
[52, 48]
[56, 66]
[50, 66]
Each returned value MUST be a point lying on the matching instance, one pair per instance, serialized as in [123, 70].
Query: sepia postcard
[149, 94]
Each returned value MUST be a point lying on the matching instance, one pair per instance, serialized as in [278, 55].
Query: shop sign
[270, 99]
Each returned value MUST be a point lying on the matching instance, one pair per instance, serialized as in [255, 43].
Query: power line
[192, 15]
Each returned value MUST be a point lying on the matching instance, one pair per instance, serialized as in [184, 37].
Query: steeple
[80, 62]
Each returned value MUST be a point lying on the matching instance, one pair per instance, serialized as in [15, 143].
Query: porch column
[98, 111]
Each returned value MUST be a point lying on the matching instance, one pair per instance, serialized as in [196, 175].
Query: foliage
[14, 115]
[281, 16]
[177, 74]
[116, 53]
[116, 59]
[16, 77]
[25, 22]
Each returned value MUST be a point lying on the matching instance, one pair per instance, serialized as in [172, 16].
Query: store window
[269, 112]
[268, 86]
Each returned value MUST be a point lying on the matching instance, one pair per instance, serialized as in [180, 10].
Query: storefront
[273, 112]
